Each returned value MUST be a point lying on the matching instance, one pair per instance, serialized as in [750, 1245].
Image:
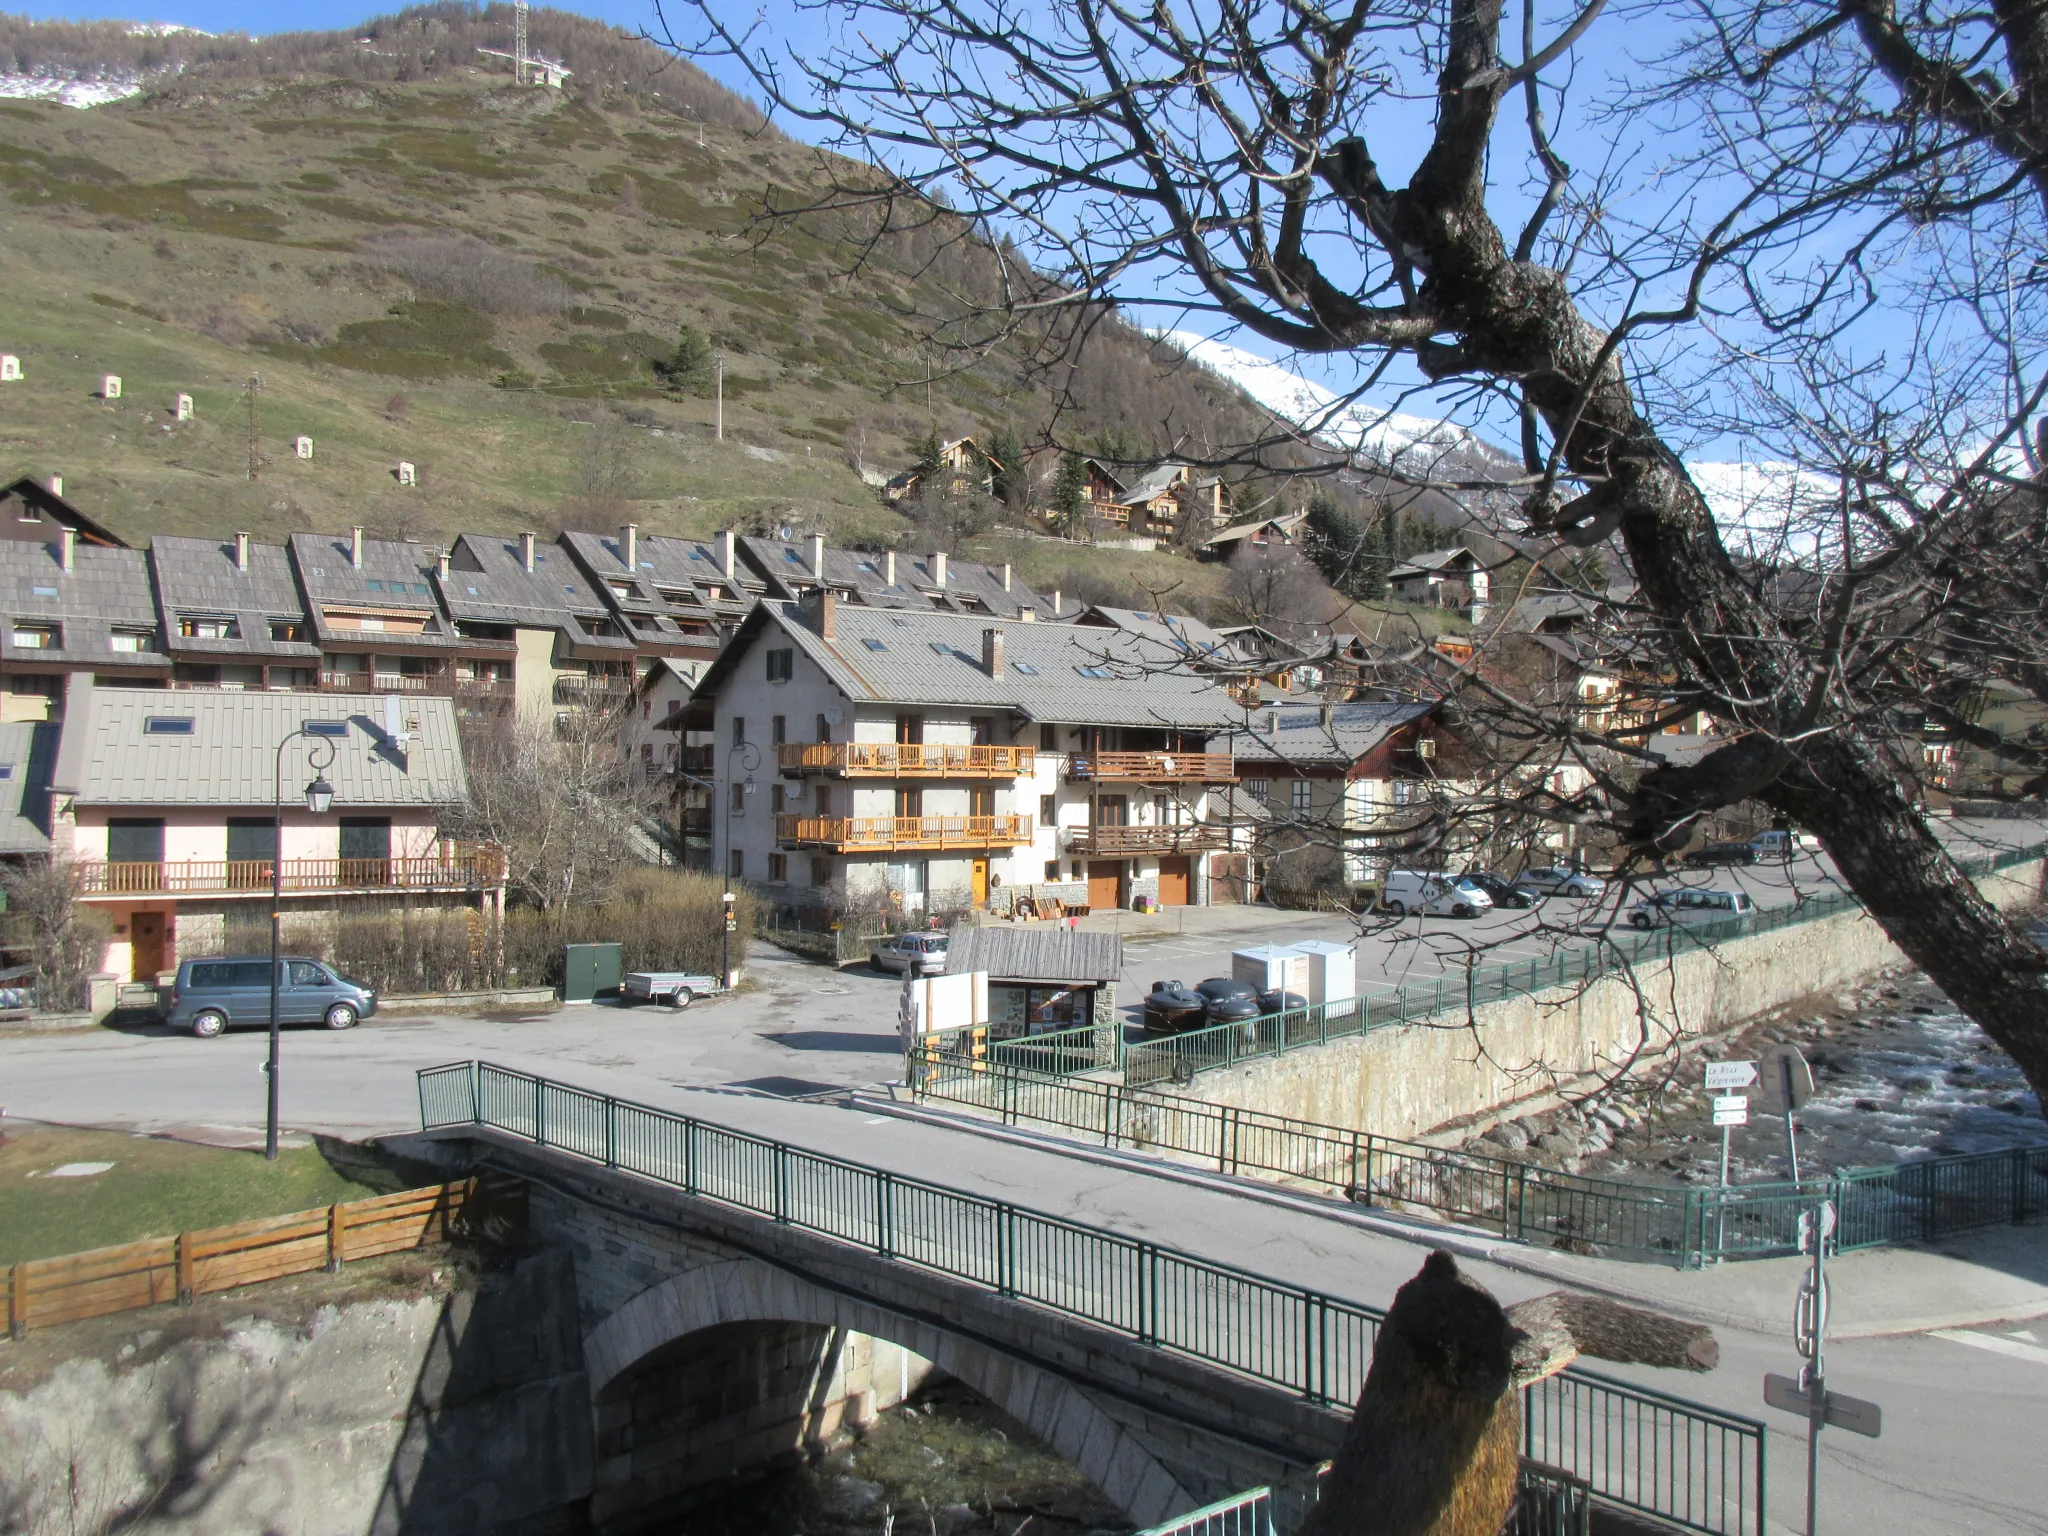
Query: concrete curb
[1465, 1242]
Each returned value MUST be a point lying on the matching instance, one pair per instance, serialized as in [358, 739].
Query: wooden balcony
[1123, 842]
[936, 834]
[383, 682]
[904, 760]
[469, 869]
[598, 692]
[1154, 767]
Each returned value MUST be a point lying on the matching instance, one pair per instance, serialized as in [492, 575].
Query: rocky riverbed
[1899, 1073]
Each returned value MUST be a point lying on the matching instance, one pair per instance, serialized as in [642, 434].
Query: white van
[1431, 893]
[1687, 906]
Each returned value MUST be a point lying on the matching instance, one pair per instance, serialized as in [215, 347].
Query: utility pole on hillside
[255, 441]
[519, 42]
[719, 381]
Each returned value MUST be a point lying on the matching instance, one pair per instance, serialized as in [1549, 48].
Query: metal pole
[720, 375]
[276, 901]
[1816, 1386]
[1721, 1213]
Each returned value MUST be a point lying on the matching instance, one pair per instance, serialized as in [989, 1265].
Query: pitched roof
[1433, 562]
[396, 575]
[1284, 524]
[670, 584]
[488, 582]
[28, 756]
[105, 591]
[1179, 632]
[970, 587]
[1302, 738]
[199, 576]
[47, 503]
[1035, 954]
[229, 756]
[931, 658]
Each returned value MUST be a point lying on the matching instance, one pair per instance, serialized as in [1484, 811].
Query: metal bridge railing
[1244, 1514]
[1683, 1463]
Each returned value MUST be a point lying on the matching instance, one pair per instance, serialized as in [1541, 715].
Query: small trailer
[678, 989]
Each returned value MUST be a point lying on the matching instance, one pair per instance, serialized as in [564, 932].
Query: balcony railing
[905, 759]
[1120, 842]
[1154, 767]
[855, 834]
[469, 870]
[383, 682]
[592, 692]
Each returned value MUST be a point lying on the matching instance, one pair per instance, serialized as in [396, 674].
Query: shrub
[63, 938]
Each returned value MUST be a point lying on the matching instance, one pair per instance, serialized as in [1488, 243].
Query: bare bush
[462, 270]
[65, 940]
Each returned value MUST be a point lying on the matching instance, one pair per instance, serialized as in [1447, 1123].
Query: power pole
[255, 441]
[719, 428]
[519, 41]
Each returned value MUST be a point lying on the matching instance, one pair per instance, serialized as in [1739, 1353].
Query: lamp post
[319, 796]
[750, 759]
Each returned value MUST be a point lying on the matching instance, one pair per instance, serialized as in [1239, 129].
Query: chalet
[1159, 501]
[970, 471]
[1271, 532]
[32, 511]
[670, 597]
[1443, 578]
[76, 608]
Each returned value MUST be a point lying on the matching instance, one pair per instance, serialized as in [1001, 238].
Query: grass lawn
[155, 1188]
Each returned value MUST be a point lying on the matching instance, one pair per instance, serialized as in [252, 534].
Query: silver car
[1661, 908]
[1555, 880]
[927, 951]
[210, 995]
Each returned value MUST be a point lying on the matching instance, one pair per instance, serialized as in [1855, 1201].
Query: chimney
[1055, 602]
[241, 552]
[938, 570]
[526, 552]
[67, 549]
[1027, 615]
[818, 555]
[1328, 713]
[889, 569]
[992, 652]
[355, 547]
[56, 485]
[821, 607]
[441, 565]
[629, 546]
[1006, 578]
[725, 553]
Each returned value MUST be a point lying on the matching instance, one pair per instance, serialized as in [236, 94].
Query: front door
[1173, 881]
[1105, 881]
[981, 882]
[146, 945]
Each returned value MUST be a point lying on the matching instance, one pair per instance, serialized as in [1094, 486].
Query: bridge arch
[745, 1291]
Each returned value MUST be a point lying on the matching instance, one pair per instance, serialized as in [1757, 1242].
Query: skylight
[167, 725]
[324, 727]
[873, 644]
[1092, 671]
[1026, 668]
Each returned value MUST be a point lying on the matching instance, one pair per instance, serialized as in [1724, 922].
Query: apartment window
[131, 641]
[1052, 869]
[778, 730]
[824, 799]
[1258, 789]
[287, 631]
[781, 666]
[736, 864]
[1298, 794]
[778, 868]
[739, 799]
[1048, 738]
[779, 796]
[1047, 815]
[209, 626]
[982, 731]
[821, 872]
[739, 730]
[38, 637]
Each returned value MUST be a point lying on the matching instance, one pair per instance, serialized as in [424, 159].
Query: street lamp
[319, 797]
[750, 759]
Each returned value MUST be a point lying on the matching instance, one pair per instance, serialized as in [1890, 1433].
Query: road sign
[1840, 1411]
[1827, 1225]
[1723, 1076]
[1731, 1109]
[1787, 1079]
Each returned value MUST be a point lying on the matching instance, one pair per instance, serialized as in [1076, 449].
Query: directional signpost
[1731, 1108]
[1807, 1393]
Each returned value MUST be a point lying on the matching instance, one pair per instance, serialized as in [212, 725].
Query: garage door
[1173, 882]
[1105, 876]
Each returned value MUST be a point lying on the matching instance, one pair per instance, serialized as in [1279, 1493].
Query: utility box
[590, 971]
[1332, 971]
[1270, 968]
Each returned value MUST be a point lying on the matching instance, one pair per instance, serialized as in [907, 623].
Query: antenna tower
[255, 456]
[519, 41]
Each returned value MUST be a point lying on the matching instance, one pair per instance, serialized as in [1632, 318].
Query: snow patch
[71, 93]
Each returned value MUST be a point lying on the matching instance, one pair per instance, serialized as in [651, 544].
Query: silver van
[210, 995]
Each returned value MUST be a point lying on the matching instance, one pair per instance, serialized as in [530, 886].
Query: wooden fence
[45, 1292]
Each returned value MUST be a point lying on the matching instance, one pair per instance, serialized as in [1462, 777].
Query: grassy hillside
[425, 262]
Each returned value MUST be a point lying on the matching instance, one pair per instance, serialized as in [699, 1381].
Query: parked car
[927, 951]
[1780, 844]
[1556, 880]
[1499, 891]
[1723, 853]
[1172, 1007]
[210, 996]
[1226, 1000]
[1431, 893]
[1663, 908]
[678, 989]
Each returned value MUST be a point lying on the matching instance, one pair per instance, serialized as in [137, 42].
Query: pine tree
[1070, 495]
[931, 463]
[1009, 481]
[691, 367]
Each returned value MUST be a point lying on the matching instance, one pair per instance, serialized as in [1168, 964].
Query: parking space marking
[1997, 1343]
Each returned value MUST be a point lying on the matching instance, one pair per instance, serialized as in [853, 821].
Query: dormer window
[209, 626]
[38, 637]
[132, 641]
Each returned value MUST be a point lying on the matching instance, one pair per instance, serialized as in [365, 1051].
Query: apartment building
[890, 579]
[76, 608]
[379, 627]
[949, 760]
[674, 598]
[163, 802]
[231, 615]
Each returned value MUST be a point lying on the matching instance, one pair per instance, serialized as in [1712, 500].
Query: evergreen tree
[1373, 562]
[1070, 495]
[1009, 480]
[691, 368]
[931, 463]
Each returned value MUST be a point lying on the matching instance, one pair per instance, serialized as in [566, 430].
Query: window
[739, 730]
[209, 626]
[779, 797]
[131, 641]
[286, 630]
[38, 637]
[1052, 869]
[646, 751]
[778, 730]
[133, 840]
[873, 644]
[167, 725]
[981, 731]
[821, 872]
[1258, 789]
[1298, 794]
[378, 586]
[6, 771]
[304, 973]
[1047, 814]
[739, 799]
[824, 729]
[1026, 668]
[941, 648]
[1093, 671]
[778, 868]
[43, 591]
[736, 864]
[1048, 738]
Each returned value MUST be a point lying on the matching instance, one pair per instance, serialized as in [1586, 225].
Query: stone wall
[1410, 1079]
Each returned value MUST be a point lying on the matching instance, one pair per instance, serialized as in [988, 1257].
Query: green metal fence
[1548, 1502]
[1908, 1202]
[1179, 1057]
[1244, 1514]
[1658, 1455]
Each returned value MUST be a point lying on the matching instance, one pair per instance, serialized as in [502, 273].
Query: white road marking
[1998, 1344]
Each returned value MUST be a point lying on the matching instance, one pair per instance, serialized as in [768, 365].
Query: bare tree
[65, 940]
[1838, 162]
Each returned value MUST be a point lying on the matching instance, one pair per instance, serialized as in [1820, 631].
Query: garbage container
[590, 971]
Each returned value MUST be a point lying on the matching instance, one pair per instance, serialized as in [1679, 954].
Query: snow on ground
[72, 93]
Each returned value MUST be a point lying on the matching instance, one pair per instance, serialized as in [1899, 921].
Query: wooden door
[1173, 881]
[1112, 811]
[146, 944]
[981, 882]
[1105, 884]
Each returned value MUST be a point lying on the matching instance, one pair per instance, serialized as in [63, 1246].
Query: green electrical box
[590, 971]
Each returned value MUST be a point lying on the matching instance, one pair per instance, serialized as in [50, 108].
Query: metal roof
[1302, 737]
[970, 587]
[1177, 630]
[105, 591]
[199, 577]
[28, 756]
[1035, 954]
[884, 656]
[228, 758]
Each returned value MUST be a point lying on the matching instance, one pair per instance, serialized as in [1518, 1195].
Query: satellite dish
[834, 715]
